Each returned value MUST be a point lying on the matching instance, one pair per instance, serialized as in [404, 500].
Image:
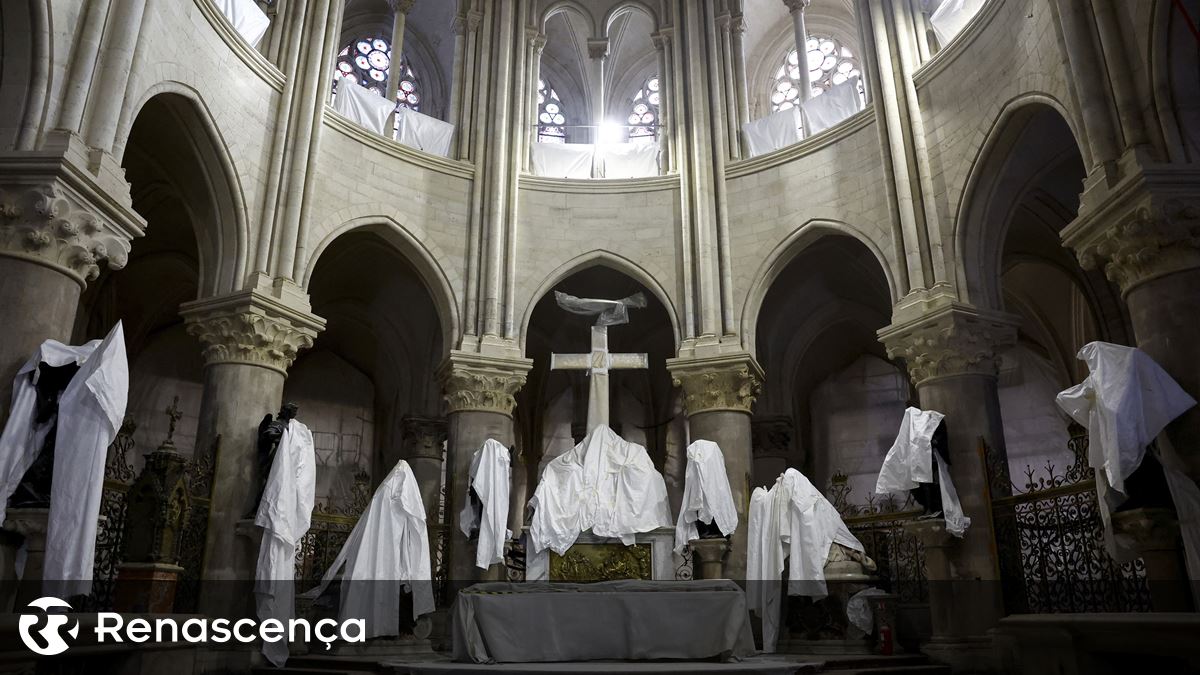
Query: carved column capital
[251, 328]
[481, 383]
[794, 6]
[729, 382]
[423, 436]
[952, 340]
[402, 6]
[1145, 228]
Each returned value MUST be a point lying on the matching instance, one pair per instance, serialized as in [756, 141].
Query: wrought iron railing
[118, 477]
[879, 524]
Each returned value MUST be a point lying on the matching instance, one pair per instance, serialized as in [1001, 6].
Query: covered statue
[909, 466]
[485, 515]
[707, 499]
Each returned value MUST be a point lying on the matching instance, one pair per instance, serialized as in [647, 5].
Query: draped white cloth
[563, 160]
[909, 463]
[23, 438]
[832, 107]
[362, 106]
[90, 412]
[706, 494]
[777, 130]
[605, 484]
[249, 21]
[792, 520]
[626, 160]
[387, 551]
[425, 133]
[491, 478]
[1125, 402]
[951, 16]
[608, 312]
[285, 514]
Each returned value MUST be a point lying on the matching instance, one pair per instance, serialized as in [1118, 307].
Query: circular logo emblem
[42, 631]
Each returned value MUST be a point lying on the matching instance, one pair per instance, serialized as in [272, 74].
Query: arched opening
[565, 113]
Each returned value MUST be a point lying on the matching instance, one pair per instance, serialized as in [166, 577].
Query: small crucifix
[599, 361]
[173, 414]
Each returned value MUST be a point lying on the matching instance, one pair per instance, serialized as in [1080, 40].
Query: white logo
[42, 632]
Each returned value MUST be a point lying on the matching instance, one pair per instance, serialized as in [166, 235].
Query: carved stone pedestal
[1156, 537]
[146, 588]
[709, 561]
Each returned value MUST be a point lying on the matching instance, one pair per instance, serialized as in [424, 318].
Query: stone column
[250, 340]
[1156, 537]
[738, 27]
[796, 9]
[400, 9]
[717, 395]
[951, 353]
[597, 56]
[479, 405]
[725, 35]
[772, 444]
[423, 439]
[662, 48]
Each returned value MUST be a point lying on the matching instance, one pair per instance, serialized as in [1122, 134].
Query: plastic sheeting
[777, 130]
[706, 494]
[835, 105]
[563, 160]
[610, 312]
[951, 16]
[425, 133]
[909, 462]
[605, 484]
[249, 21]
[491, 478]
[362, 106]
[626, 160]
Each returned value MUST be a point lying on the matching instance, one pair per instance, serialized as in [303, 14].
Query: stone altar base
[146, 587]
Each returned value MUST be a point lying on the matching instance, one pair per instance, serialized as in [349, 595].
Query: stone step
[916, 669]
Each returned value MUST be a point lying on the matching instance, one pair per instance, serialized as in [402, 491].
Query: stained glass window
[368, 61]
[643, 116]
[828, 62]
[551, 119]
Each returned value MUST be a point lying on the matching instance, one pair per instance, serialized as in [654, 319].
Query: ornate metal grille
[879, 525]
[191, 547]
[118, 476]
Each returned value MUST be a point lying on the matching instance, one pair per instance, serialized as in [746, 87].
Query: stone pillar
[738, 26]
[1156, 537]
[400, 9]
[597, 57]
[951, 353]
[662, 48]
[250, 339]
[772, 445]
[537, 45]
[423, 439]
[717, 395]
[479, 405]
[796, 9]
[709, 558]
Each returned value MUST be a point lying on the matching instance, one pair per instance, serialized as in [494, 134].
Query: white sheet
[362, 106]
[777, 130]
[605, 484]
[706, 494]
[285, 514]
[909, 463]
[247, 18]
[90, 412]
[563, 160]
[832, 107]
[22, 438]
[764, 564]
[387, 551]
[425, 133]
[491, 478]
[951, 17]
[811, 527]
[626, 160]
[1125, 402]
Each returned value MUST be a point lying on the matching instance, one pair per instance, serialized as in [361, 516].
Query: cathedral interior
[833, 210]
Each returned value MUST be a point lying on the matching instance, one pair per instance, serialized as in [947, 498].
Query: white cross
[599, 361]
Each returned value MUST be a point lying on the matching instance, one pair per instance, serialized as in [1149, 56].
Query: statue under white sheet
[1125, 402]
[387, 552]
[285, 514]
[605, 484]
[486, 510]
[909, 465]
[706, 495]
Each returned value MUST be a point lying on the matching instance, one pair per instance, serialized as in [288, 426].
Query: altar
[594, 558]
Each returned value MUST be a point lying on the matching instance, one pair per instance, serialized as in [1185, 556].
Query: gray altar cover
[611, 620]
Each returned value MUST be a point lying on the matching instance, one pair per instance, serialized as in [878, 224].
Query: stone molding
[728, 382]
[794, 6]
[251, 328]
[953, 340]
[423, 436]
[477, 383]
[597, 48]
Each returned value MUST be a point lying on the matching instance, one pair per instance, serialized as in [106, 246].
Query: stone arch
[785, 252]
[570, 7]
[629, 6]
[1175, 78]
[24, 72]
[600, 258]
[424, 260]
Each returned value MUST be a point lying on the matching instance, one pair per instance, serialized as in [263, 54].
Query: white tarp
[777, 130]
[90, 412]
[285, 514]
[23, 438]
[626, 160]
[909, 463]
[425, 133]
[563, 160]
[387, 551]
[832, 107]
[605, 484]
[951, 16]
[706, 494]
[249, 21]
[1125, 402]
[362, 106]
[491, 479]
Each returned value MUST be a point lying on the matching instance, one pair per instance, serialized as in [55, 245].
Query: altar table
[611, 620]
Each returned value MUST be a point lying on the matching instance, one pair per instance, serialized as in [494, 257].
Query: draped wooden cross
[598, 362]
